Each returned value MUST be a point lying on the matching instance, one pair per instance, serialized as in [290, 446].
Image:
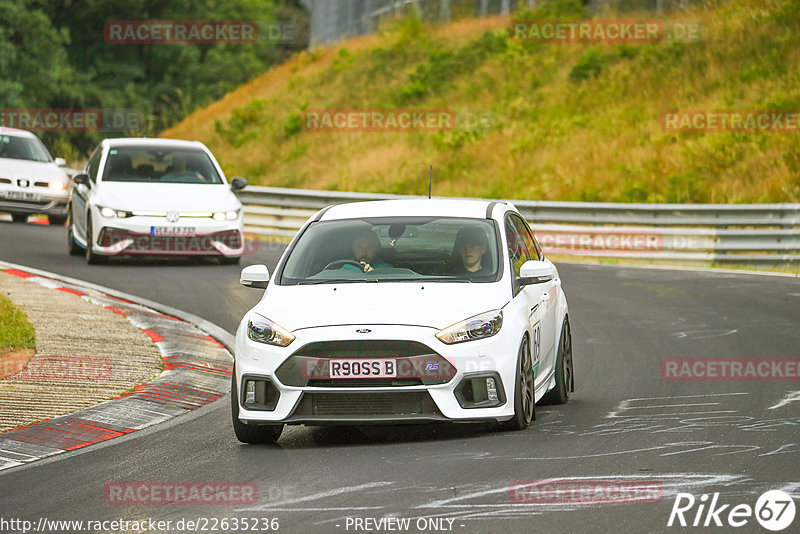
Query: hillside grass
[568, 121]
[15, 330]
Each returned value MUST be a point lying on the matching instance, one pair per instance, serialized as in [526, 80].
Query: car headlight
[110, 214]
[230, 215]
[58, 186]
[477, 327]
[263, 330]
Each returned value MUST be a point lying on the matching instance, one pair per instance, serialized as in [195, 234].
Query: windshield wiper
[333, 281]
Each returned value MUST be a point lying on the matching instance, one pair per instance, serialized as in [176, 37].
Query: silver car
[31, 181]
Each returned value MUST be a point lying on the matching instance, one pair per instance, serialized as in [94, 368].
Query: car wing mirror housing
[255, 276]
[81, 179]
[238, 183]
[61, 162]
[536, 272]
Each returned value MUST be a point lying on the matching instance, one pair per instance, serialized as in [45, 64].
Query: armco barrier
[766, 234]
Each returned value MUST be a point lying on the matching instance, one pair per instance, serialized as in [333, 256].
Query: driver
[366, 251]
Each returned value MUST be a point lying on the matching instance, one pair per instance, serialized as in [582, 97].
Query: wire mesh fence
[334, 20]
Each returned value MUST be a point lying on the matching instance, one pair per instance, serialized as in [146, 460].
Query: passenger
[366, 251]
[470, 248]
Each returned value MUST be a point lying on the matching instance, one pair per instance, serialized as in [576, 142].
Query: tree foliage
[53, 54]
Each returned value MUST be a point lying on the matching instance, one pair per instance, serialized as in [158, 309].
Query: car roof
[152, 141]
[420, 207]
[17, 132]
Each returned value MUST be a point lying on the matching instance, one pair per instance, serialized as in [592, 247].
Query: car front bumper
[46, 203]
[437, 396]
[140, 235]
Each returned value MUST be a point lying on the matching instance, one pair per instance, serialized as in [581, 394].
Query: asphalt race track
[624, 423]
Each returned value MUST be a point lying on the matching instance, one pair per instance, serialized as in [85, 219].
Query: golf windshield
[394, 249]
[160, 165]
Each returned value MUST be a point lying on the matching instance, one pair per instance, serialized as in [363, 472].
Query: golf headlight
[230, 215]
[108, 213]
[263, 330]
[477, 327]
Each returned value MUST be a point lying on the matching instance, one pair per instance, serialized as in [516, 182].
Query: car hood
[166, 197]
[34, 170]
[431, 304]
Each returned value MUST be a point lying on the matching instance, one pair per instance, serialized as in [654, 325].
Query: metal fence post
[444, 13]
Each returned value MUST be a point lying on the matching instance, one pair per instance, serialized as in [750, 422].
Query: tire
[56, 220]
[72, 246]
[91, 257]
[565, 376]
[19, 217]
[254, 434]
[524, 395]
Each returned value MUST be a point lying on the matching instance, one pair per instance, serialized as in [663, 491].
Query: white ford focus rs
[403, 311]
[153, 197]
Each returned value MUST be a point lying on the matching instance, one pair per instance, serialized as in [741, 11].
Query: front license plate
[22, 195]
[173, 230]
[363, 368]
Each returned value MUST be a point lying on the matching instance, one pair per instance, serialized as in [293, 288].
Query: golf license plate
[173, 230]
[363, 368]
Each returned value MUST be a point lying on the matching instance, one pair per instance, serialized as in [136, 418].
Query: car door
[81, 193]
[549, 293]
[528, 298]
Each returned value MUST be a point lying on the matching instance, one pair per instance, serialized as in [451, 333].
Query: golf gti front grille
[415, 364]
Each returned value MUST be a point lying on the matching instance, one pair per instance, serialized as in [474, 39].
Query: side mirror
[255, 276]
[82, 179]
[536, 272]
[238, 183]
[61, 162]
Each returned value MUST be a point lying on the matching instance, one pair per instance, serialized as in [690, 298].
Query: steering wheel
[338, 264]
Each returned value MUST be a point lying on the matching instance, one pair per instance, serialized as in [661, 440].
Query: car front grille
[416, 364]
[392, 404]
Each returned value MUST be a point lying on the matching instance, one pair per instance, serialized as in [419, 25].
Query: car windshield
[160, 165]
[394, 249]
[25, 148]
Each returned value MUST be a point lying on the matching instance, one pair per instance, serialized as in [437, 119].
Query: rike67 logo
[774, 510]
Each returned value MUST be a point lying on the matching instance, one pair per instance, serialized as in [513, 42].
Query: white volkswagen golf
[403, 311]
[151, 197]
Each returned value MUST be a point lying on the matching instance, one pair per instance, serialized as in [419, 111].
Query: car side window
[94, 165]
[517, 248]
[527, 236]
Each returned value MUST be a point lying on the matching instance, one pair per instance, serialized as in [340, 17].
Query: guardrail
[766, 234]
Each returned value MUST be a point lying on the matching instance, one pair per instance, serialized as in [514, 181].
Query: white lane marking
[315, 496]
[780, 450]
[703, 334]
[672, 484]
[629, 404]
[792, 396]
